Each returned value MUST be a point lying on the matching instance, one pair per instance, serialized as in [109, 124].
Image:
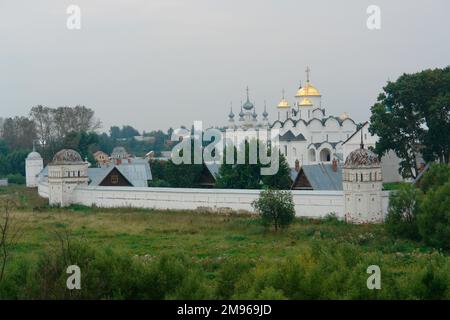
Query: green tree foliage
[19, 133]
[275, 207]
[403, 209]
[437, 175]
[434, 217]
[281, 180]
[183, 175]
[84, 142]
[248, 176]
[125, 132]
[412, 116]
[423, 214]
[168, 174]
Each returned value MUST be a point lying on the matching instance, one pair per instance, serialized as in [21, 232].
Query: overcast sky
[159, 63]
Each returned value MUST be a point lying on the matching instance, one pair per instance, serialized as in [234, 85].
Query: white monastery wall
[43, 189]
[314, 204]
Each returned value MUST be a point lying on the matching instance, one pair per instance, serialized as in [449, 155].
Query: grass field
[211, 242]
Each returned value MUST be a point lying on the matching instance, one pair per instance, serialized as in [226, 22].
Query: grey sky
[160, 63]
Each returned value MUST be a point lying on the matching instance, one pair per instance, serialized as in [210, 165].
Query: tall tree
[43, 119]
[412, 117]
[19, 133]
[248, 176]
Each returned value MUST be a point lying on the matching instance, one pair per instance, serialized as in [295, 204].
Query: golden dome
[283, 103]
[308, 91]
[306, 103]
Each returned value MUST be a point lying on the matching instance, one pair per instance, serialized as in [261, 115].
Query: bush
[275, 207]
[16, 178]
[159, 183]
[107, 274]
[434, 217]
[404, 205]
[230, 275]
[436, 176]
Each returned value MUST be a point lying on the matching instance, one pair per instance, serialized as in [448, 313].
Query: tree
[10, 232]
[275, 207]
[437, 175]
[411, 116]
[43, 119]
[53, 125]
[84, 142]
[434, 218]
[125, 132]
[2, 121]
[281, 180]
[16, 160]
[248, 176]
[19, 133]
[404, 205]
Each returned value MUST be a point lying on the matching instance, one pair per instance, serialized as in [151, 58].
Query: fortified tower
[66, 171]
[33, 166]
[362, 182]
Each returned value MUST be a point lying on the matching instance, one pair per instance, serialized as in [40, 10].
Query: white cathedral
[307, 135]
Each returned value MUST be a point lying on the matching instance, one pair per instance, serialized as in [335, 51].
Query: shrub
[275, 207]
[402, 214]
[229, 276]
[436, 176]
[16, 178]
[434, 217]
[108, 274]
[332, 219]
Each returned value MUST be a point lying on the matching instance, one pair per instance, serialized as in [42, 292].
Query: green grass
[208, 239]
[388, 186]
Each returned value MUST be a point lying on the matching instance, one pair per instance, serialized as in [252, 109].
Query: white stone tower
[33, 166]
[362, 183]
[66, 171]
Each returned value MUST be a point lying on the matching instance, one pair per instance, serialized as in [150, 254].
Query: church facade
[307, 135]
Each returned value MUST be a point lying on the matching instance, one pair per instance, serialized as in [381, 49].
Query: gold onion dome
[283, 103]
[308, 91]
[306, 102]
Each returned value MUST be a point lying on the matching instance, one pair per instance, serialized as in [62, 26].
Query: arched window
[325, 155]
[312, 155]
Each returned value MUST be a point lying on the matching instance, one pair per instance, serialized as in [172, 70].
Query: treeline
[422, 211]
[51, 129]
[227, 176]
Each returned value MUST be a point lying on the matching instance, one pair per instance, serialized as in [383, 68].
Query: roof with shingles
[321, 176]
